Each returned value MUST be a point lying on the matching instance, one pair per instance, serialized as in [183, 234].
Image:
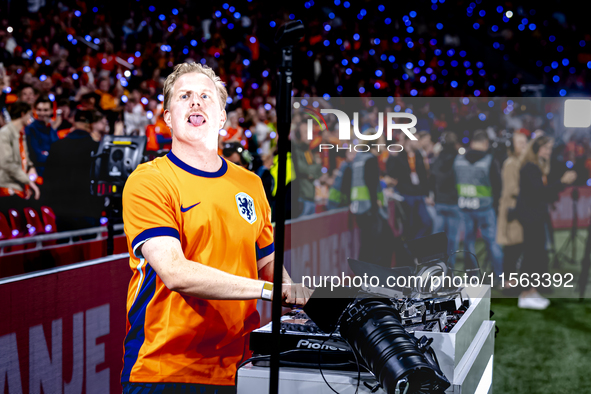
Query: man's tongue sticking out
[196, 120]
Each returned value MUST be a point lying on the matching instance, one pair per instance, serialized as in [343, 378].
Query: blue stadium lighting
[562, 92]
[466, 64]
[326, 43]
[510, 103]
[390, 99]
[349, 71]
[363, 12]
[88, 38]
[237, 15]
[376, 41]
[410, 44]
[130, 59]
[532, 26]
[331, 15]
[588, 184]
[423, 79]
[572, 70]
[465, 100]
[524, 21]
[161, 97]
[355, 60]
[454, 84]
[421, 63]
[47, 62]
[515, 81]
[559, 48]
[499, 9]
[413, 92]
[391, 59]
[291, 16]
[469, 72]
[433, 41]
[346, 4]
[381, 8]
[434, 7]
[496, 45]
[231, 9]
[86, 69]
[437, 52]
[255, 86]
[539, 63]
[470, 83]
[482, 73]
[428, 70]
[224, 21]
[383, 57]
[361, 89]
[372, 52]
[410, 29]
[246, 62]
[339, 88]
[376, 85]
[482, 13]
[94, 9]
[416, 70]
[441, 63]
[494, 28]
[565, 62]
[337, 2]
[482, 117]
[404, 76]
[505, 19]
[309, 53]
[491, 103]
[138, 54]
[326, 96]
[476, 26]
[491, 88]
[412, 14]
[193, 43]
[77, 13]
[397, 108]
[70, 38]
[521, 27]
[152, 8]
[268, 106]
[175, 11]
[225, 6]
[550, 115]
[554, 64]
[359, 16]
[479, 64]
[356, 37]
[378, 73]
[547, 69]
[552, 38]
[42, 77]
[218, 14]
[444, 72]
[161, 17]
[74, 77]
[344, 62]
[387, 21]
[451, 52]
[439, 26]
[569, 164]
[582, 43]
[454, 63]
[588, 64]
[395, 39]
[150, 114]
[272, 24]
[409, 65]
[465, 140]
[123, 82]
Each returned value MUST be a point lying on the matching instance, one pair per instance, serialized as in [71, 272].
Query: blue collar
[192, 170]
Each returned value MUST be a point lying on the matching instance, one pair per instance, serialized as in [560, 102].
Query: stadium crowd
[75, 71]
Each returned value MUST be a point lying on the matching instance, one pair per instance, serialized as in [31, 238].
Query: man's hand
[295, 294]
[35, 190]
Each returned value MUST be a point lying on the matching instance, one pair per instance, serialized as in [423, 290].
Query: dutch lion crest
[246, 209]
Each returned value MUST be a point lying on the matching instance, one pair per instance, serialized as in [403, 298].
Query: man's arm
[266, 268]
[188, 277]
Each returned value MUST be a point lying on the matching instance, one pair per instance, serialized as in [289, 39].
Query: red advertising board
[62, 330]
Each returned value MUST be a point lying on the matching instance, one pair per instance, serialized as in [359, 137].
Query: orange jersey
[222, 220]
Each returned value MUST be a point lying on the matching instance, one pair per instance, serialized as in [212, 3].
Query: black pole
[288, 35]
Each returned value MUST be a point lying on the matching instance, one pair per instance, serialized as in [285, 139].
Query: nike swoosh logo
[186, 209]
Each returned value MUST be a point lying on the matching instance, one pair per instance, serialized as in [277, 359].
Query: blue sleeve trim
[264, 252]
[151, 233]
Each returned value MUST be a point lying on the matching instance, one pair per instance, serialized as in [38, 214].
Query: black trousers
[376, 239]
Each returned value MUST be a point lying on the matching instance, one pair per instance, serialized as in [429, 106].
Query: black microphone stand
[287, 36]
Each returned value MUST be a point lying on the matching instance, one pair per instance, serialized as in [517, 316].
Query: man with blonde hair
[201, 250]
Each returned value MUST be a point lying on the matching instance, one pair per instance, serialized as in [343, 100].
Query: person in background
[509, 230]
[478, 180]
[42, 133]
[67, 174]
[234, 133]
[307, 169]
[28, 94]
[443, 181]
[15, 184]
[63, 109]
[535, 193]
[237, 154]
[408, 171]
